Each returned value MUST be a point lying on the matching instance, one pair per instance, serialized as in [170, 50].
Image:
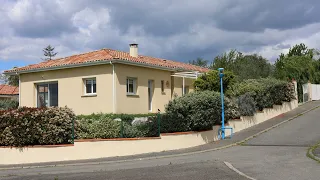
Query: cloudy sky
[180, 30]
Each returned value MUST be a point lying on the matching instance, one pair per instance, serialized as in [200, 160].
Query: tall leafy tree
[250, 66]
[48, 52]
[200, 62]
[298, 64]
[12, 80]
[211, 81]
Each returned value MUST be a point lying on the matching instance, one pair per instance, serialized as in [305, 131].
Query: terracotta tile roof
[107, 55]
[8, 90]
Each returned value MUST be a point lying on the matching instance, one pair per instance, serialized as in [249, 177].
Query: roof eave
[100, 62]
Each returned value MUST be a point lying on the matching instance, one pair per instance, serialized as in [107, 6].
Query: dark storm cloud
[180, 30]
[38, 19]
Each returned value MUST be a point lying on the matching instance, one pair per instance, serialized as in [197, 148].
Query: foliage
[298, 64]
[98, 128]
[12, 80]
[200, 62]
[49, 52]
[247, 104]
[196, 111]
[8, 104]
[265, 91]
[36, 126]
[211, 81]
[104, 126]
[243, 66]
[124, 117]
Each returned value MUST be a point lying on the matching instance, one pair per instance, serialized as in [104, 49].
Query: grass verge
[310, 152]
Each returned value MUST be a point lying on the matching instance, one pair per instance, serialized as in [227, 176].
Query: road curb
[167, 156]
[310, 153]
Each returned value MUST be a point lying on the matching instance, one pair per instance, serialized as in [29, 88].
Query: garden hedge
[8, 104]
[36, 126]
[196, 111]
[266, 92]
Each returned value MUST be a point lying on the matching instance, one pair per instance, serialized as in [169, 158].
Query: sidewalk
[238, 137]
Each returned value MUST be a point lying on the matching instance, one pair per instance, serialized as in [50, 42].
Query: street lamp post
[222, 103]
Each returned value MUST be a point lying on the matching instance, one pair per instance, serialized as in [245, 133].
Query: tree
[199, 62]
[48, 52]
[226, 60]
[12, 80]
[243, 66]
[298, 64]
[211, 81]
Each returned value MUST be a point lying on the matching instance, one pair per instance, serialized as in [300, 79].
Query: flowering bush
[36, 126]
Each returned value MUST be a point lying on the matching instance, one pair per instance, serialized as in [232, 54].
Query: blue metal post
[222, 104]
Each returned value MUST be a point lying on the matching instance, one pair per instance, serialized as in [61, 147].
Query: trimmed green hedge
[266, 92]
[36, 126]
[196, 111]
[8, 104]
[104, 127]
[124, 117]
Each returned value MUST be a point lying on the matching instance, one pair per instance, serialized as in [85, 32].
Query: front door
[150, 94]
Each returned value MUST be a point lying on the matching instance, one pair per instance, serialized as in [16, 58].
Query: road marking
[164, 156]
[237, 171]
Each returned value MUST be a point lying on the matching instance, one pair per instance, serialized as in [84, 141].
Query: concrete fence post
[295, 88]
[309, 91]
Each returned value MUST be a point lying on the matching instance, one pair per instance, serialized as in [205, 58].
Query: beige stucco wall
[71, 88]
[139, 103]
[89, 150]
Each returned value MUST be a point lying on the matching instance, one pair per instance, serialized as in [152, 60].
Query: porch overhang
[187, 74]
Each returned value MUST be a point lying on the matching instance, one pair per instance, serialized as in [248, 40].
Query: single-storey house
[8, 92]
[105, 80]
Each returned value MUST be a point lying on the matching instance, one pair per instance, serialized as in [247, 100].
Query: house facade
[106, 81]
[8, 92]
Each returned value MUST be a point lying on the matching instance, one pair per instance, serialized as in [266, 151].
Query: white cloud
[182, 29]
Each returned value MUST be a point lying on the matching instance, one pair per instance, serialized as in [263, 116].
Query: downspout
[113, 90]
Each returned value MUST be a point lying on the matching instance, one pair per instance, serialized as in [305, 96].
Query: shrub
[36, 126]
[8, 104]
[132, 131]
[266, 91]
[196, 111]
[98, 128]
[124, 117]
[247, 104]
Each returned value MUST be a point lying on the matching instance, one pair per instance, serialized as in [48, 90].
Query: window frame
[134, 83]
[48, 93]
[91, 85]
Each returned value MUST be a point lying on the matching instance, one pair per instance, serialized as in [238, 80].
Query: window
[162, 86]
[131, 85]
[90, 86]
[47, 94]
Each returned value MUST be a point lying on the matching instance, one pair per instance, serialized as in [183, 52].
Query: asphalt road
[277, 154]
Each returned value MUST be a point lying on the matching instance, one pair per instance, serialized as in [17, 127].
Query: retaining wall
[99, 148]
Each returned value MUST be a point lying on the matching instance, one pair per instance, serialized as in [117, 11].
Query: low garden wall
[99, 148]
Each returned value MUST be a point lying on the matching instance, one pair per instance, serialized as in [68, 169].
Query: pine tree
[48, 52]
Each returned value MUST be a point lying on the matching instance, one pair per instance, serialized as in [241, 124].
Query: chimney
[134, 50]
